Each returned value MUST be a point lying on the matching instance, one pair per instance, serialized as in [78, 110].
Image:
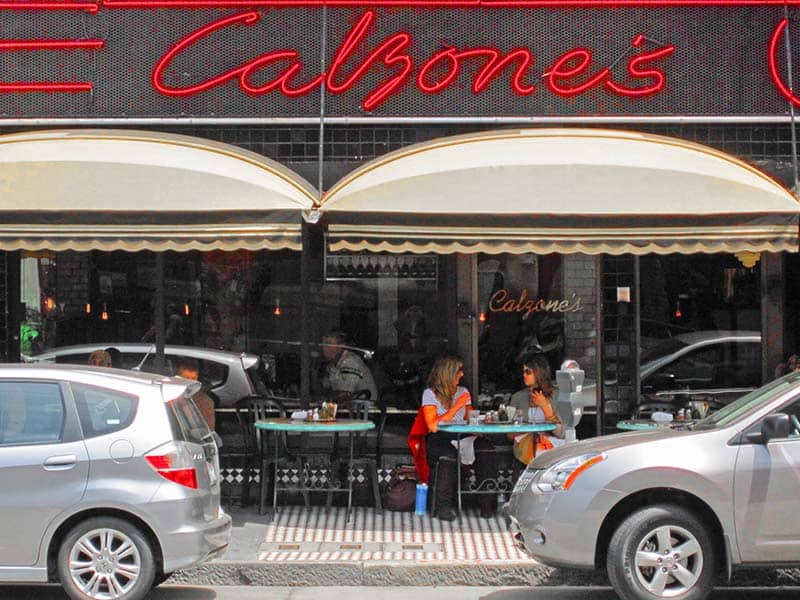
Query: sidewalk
[309, 547]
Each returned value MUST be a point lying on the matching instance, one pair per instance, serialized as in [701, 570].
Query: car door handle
[60, 463]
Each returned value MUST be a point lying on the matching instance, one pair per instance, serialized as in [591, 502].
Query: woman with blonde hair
[444, 400]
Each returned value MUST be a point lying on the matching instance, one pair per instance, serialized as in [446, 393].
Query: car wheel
[106, 557]
[661, 551]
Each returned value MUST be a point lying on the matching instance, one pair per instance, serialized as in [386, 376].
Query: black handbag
[401, 492]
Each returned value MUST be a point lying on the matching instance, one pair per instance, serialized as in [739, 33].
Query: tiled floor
[300, 534]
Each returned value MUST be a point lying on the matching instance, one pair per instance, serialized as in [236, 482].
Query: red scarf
[416, 442]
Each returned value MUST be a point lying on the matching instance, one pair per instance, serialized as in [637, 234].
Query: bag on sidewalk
[401, 491]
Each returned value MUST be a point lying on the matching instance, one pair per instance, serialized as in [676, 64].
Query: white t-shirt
[430, 399]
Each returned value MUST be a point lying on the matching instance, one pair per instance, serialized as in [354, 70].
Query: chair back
[258, 409]
[363, 410]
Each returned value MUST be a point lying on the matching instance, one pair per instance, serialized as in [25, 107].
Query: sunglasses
[527, 371]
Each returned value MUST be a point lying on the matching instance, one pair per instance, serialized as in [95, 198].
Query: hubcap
[668, 561]
[104, 564]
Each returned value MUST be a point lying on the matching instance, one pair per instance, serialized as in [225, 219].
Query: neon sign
[571, 73]
[501, 301]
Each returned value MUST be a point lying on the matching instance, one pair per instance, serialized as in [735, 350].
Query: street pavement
[169, 592]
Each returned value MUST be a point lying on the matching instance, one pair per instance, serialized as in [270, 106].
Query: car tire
[661, 551]
[104, 553]
[161, 578]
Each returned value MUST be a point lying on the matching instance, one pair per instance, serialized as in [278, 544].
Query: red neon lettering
[488, 72]
[562, 70]
[392, 50]
[149, 4]
[248, 18]
[496, 64]
[17, 45]
[634, 71]
[47, 86]
[283, 81]
[774, 70]
[87, 6]
[44, 86]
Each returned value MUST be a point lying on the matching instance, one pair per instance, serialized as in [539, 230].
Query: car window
[693, 370]
[212, 374]
[103, 411]
[741, 407]
[81, 358]
[670, 346]
[187, 422]
[30, 413]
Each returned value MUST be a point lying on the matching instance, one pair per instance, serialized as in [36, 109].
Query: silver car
[714, 367]
[110, 480]
[665, 510]
[229, 376]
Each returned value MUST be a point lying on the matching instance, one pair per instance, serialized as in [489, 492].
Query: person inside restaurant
[535, 404]
[346, 375]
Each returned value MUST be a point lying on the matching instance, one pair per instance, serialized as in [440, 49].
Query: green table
[348, 426]
[487, 428]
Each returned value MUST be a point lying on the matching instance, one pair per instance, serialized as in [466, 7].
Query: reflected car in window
[711, 367]
[110, 480]
[229, 376]
[667, 510]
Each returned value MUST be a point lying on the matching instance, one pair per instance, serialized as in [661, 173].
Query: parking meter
[569, 403]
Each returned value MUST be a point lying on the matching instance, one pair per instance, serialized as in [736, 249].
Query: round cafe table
[461, 428]
[348, 426]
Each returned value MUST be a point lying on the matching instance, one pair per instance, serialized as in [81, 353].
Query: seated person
[534, 404]
[100, 358]
[445, 400]
[189, 368]
[346, 372]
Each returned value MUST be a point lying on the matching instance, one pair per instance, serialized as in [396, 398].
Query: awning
[560, 190]
[135, 190]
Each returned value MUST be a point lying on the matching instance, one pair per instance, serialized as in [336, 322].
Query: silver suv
[665, 510]
[229, 376]
[110, 480]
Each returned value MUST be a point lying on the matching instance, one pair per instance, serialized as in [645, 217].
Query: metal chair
[260, 408]
[361, 410]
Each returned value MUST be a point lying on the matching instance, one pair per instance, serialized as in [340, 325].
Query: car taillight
[174, 462]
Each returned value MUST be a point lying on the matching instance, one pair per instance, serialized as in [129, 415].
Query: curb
[428, 573]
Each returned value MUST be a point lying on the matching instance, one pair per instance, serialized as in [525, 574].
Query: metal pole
[305, 329]
[791, 106]
[158, 313]
[599, 392]
[322, 61]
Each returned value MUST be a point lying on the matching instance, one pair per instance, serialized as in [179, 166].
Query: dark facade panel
[713, 61]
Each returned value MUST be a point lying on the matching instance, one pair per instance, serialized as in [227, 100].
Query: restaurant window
[397, 311]
[532, 304]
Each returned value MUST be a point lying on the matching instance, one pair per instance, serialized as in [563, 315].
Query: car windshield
[747, 403]
[665, 348]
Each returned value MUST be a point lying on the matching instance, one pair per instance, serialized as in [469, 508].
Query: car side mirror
[775, 426]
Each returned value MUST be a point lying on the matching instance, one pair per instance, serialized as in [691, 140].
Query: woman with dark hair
[534, 403]
[445, 400]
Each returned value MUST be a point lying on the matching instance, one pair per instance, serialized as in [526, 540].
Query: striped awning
[560, 190]
[134, 190]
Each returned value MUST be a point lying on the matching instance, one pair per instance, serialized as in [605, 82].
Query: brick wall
[579, 279]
